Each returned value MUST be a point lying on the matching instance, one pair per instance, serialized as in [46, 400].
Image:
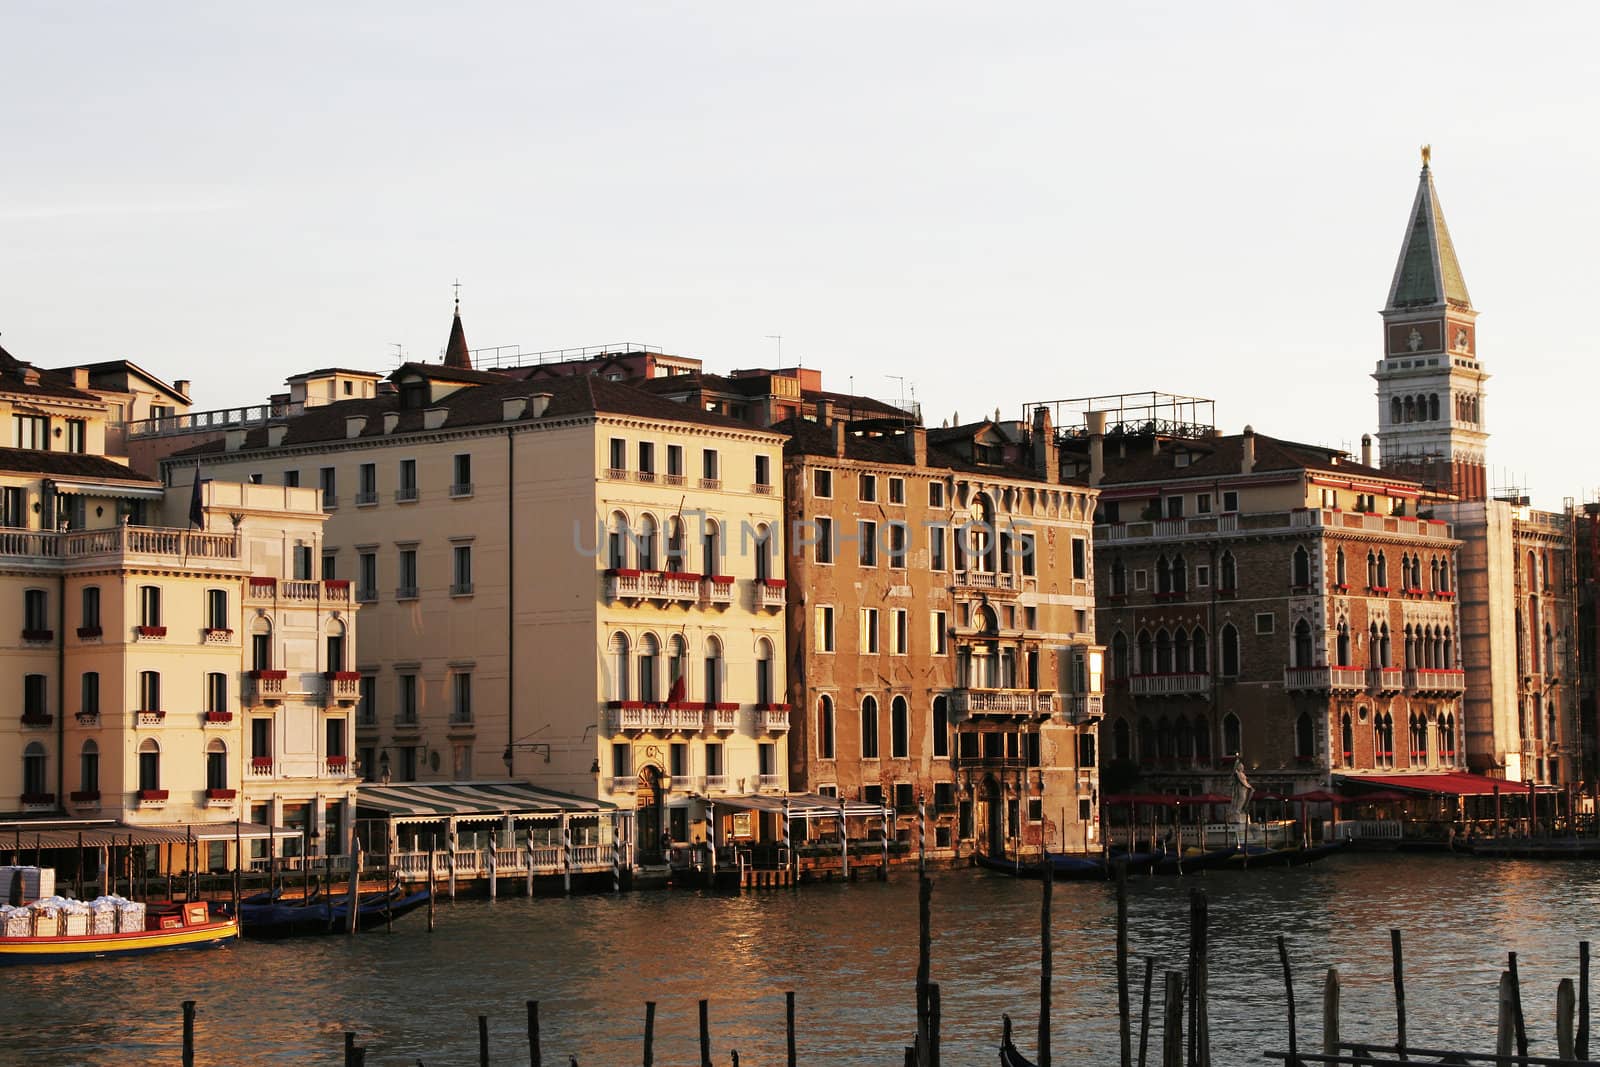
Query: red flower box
[38, 798]
[1378, 590]
[221, 794]
[336, 583]
[261, 763]
[219, 716]
[218, 630]
[37, 719]
[720, 579]
[726, 707]
[263, 583]
[344, 676]
[151, 631]
[686, 705]
[152, 794]
[773, 583]
[338, 761]
[157, 712]
[38, 635]
[269, 675]
[772, 707]
[85, 632]
[681, 576]
[623, 572]
[87, 796]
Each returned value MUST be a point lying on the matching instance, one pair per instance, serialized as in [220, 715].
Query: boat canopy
[801, 805]
[1460, 784]
[431, 801]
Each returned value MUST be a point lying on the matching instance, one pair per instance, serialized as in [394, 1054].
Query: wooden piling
[1172, 1024]
[530, 863]
[355, 890]
[935, 1014]
[705, 1035]
[1398, 954]
[1199, 951]
[1583, 1000]
[788, 1008]
[535, 1059]
[649, 1033]
[1045, 962]
[1288, 993]
[349, 1047]
[1330, 1013]
[188, 1033]
[1505, 1029]
[1566, 1002]
[483, 1041]
[430, 887]
[1124, 1022]
[1517, 1017]
[1144, 1014]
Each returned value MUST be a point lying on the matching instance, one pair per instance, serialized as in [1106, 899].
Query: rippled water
[849, 952]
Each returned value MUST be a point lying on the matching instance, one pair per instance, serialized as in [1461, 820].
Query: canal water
[849, 953]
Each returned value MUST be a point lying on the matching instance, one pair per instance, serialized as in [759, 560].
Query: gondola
[278, 920]
[1171, 863]
[1009, 1056]
[1314, 853]
[1068, 868]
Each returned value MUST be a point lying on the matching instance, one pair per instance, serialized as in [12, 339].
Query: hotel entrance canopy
[430, 801]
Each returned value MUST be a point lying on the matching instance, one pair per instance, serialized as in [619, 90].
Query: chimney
[391, 419]
[182, 386]
[840, 433]
[824, 412]
[233, 440]
[354, 424]
[1097, 447]
[80, 377]
[1045, 462]
[917, 445]
[538, 404]
[276, 434]
[1247, 458]
[512, 407]
[1366, 450]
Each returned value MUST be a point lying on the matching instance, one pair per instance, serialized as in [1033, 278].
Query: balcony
[1386, 680]
[221, 798]
[715, 783]
[343, 687]
[86, 798]
[150, 799]
[1169, 685]
[90, 633]
[1080, 709]
[218, 719]
[151, 717]
[623, 783]
[146, 542]
[337, 767]
[724, 718]
[1003, 702]
[215, 635]
[88, 718]
[625, 716]
[992, 581]
[627, 584]
[406, 494]
[149, 633]
[460, 489]
[298, 591]
[716, 589]
[761, 489]
[770, 593]
[772, 718]
[1436, 682]
[260, 767]
[405, 592]
[38, 801]
[1325, 679]
[765, 782]
[261, 589]
[366, 498]
[264, 687]
[38, 637]
[37, 718]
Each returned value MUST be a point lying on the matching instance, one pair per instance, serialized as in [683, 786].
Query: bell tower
[1430, 384]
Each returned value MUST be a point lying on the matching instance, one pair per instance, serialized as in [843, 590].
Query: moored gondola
[1009, 1056]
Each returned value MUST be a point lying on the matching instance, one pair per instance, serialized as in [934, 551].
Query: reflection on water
[849, 952]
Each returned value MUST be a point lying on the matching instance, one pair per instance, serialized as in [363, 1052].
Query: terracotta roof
[478, 405]
[67, 465]
[1221, 457]
[756, 385]
[51, 383]
[814, 439]
[124, 366]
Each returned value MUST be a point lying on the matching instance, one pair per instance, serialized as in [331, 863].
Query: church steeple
[1430, 384]
[455, 352]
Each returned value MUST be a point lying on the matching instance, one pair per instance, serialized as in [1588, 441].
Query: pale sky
[1000, 203]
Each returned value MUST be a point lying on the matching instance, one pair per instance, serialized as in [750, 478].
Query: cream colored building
[532, 560]
[128, 631]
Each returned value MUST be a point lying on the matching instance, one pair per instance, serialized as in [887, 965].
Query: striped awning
[800, 805]
[414, 801]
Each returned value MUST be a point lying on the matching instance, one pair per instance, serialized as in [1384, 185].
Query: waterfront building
[941, 615]
[567, 579]
[170, 670]
[1262, 600]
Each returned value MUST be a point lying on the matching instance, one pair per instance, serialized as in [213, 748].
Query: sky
[997, 203]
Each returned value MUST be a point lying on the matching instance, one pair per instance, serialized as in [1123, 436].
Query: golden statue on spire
[1427, 150]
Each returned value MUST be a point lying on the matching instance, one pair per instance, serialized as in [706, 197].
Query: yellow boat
[184, 926]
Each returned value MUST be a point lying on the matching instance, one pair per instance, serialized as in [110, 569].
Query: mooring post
[1583, 1000]
[1505, 1029]
[483, 1041]
[494, 864]
[1399, 991]
[1516, 1004]
[935, 1014]
[1049, 883]
[1200, 922]
[1144, 1014]
[432, 860]
[616, 856]
[188, 1033]
[530, 864]
[649, 1033]
[1330, 1013]
[788, 1006]
[351, 921]
[1124, 1022]
[1288, 992]
[349, 1047]
[1566, 1002]
[1172, 1025]
[705, 1036]
[535, 1059]
[924, 958]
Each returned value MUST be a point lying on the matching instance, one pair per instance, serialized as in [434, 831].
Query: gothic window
[1372, 570]
[1303, 656]
[1146, 660]
[1230, 651]
[1447, 738]
[1182, 740]
[1383, 740]
[1410, 646]
[1230, 734]
[1411, 409]
[1163, 575]
[1180, 575]
[1163, 652]
[1338, 567]
[1120, 740]
[1202, 739]
[1164, 739]
[1301, 568]
[1147, 741]
[1119, 578]
[1119, 655]
[1383, 644]
[1228, 574]
[1394, 409]
[1419, 739]
[1449, 652]
[1347, 740]
[1305, 745]
[1180, 651]
[1433, 407]
[1342, 655]
[1198, 652]
[1383, 571]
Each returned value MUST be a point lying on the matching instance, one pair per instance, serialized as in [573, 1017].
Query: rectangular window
[763, 470]
[897, 490]
[1264, 622]
[30, 431]
[822, 484]
[89, 694]
[674, 461]
[710, 465]
[824, 546]
[678, 762]
[902, 632]
[619, 455]
[367, 757]
[869, 631]
[868, 531]
[36, 612]
[216, 691]
[1174, 507]
[1080, 619]
[217, 610]
[621, 760]
[766, 759]
[1035, 809]
[367, 484]
[936, 494]
[407, 589]
[291, 479]
[873, 794]
[1230, 501]
[647, 457]
[367, 576]
[461, 474]
[1030, 618]
[408, 762]
[936, 542]
[868, 488]
[327, 482]
[1080, 558]
[255, 479]
[367, 704]
[1141, 579]
[149, 691]
[330, 566]
[461, 578]
[1202, 503]
[939, 636]
[333, 738]
[406, 711]
[714, 759]
[15, 507]
[899, 534]
[461, 697]
[302, 563]
[77, 436]
[35, 688]
[149, 605]
[1202, 575]
[408, 481]
[905, 797]
[824, 628]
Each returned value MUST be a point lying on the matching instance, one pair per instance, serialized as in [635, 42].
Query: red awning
[1460, 784]
[1320, 796]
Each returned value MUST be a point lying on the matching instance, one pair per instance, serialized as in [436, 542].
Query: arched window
[1395, 412]
[869, 727]
[1163, 575]
[1202, 739]
[1147, 659]
[621, 665]
[677, 551]
[1444, 576]
[711, 547]
[941, 728]
[764, 672]
[1301, 568]
[1410, 409]
[34, 778]
[1433, 572]
[1163, 739]
[713, 671]
[1433, 407]
[1230, 651]
[762, 550]
[677, 669]
[1383, 644]
[1347, 740]
[1180, 574]
[149, 764]
[1147, 742]
[335, 646]
[1447, 738]
[150, 691]
[1447, 651]
[899, 729]
[1230, 735]
[1383, 571]
[1119, 655]
[1419, 740]
[825, 748]
[1305, 744]
[89, 770]
[1120, 740]
[1183, 741]
[1180, 651]
[1200, 654]
[1303, 656]
[1372, 570]
[1163, 651]
[1340, 578]
[617, 542]
[649, 653]
[261, 644]
[216, 764]
[1383, 740]
[1342, 646]
[1549, 650]
[1227, 573]
[1410, 648]
[644, 543]
[1119, 578]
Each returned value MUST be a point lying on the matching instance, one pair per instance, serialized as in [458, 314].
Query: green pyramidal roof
[1428, 262]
